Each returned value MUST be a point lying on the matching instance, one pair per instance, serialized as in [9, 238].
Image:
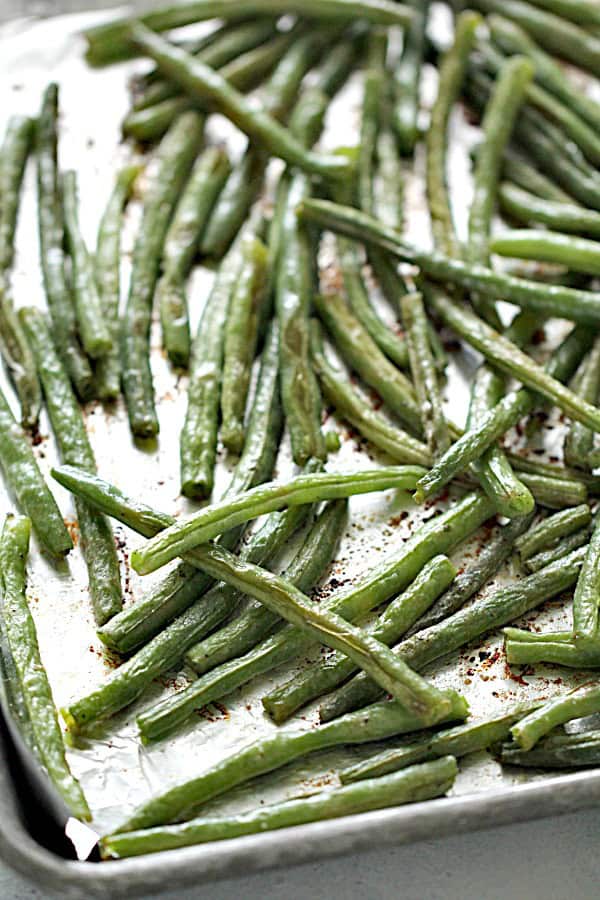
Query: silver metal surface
[117, 773]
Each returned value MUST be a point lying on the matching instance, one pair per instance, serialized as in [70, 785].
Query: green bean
[556, 35]
[300, 393]
[422, 366]
[564, 546]
[407, 79]
[216, 49]
[189, 222]
[97, 540]
[580, 306]
[560, 751]
[554, 493]
[574, 252]
[370, 122]
[459, 741]
[303, 572]
[451, 75]
[394, 346]
[219, 517]
[583, 701]
[517, 168]
[482, 616]
[585, 598]
[180, 802]
[172, 164]
[23, 644]
[579, 441]
[578, 11]
[432, 779]
[198, 441]
[202, 81]
[365, 357]
[506, 356]
[549, 531]
[93, 329]
[557, 653]
[286, 699]
[472, 445]
[107, 272]
[15, 150]
[244, 73]
[339, 391]
[509, 91]
[111, 42]
[512, 39]
[493, 470]
[559, 216]
[51, 237]
[241, 335]
[475, 575]
[535, 466]
[27, 483]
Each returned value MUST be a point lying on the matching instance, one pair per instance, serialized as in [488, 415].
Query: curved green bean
[550, 530]
[22, 640]
[583, 701]
[558, 216]
[576, 253]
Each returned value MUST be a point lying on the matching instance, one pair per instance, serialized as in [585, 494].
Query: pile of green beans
[294, 357]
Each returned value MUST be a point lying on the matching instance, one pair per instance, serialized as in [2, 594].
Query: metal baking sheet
[117, 773]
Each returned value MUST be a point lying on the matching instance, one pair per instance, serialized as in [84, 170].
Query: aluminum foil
[116, 771]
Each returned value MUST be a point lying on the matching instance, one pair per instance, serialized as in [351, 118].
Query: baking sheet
[116, 772]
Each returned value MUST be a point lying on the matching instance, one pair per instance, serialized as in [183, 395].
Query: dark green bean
[407, 81]
[240, 339]
[26, 482]
[51, 236]
[97, 540]
[16, 146]
[549, 531]
[107, 261]
[95, 336]
[564, 546]
[559, 216]
[189, 222]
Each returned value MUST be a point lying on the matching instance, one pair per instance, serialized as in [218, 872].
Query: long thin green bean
[583, 701]
[459, 741]
[97, 540]
[204, 82]
[52, 257]
[576, 253]
[189, 222]
[407, 82]
[586, 596]
[562, 548]
[16, 147]
[107, 259]
[422, 782]
[549, 531]
[22, 640]
[239, 345]
[560, 751]
[111, 42]
[558, 216]
[213, 520]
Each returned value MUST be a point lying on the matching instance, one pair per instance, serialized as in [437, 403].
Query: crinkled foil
[116, 771]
